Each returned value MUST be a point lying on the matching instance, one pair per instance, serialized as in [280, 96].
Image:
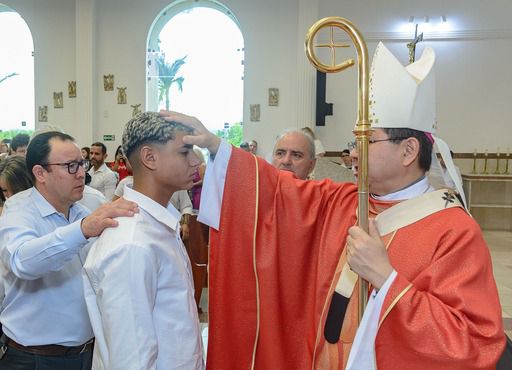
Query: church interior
[86, 40]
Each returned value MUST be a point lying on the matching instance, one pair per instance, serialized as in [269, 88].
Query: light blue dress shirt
[41, 255]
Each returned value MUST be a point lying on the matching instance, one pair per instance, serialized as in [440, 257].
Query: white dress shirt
[140, 293]
[128, 180]
[180, 199]
[42, 254]
[104, 180]
[92, 198]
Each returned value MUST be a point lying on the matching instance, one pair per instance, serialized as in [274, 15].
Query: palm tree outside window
[167, 76]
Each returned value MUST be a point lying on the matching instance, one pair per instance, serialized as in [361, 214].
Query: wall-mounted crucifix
[412, 45]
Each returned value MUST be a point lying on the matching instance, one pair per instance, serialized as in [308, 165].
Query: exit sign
[109, 137]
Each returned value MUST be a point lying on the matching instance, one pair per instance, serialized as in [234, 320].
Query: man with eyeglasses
[283, 269]
[43, 238]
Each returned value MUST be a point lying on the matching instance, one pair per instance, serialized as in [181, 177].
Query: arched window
[195, 63]
[16, 74]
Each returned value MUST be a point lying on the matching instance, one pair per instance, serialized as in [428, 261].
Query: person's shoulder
[21, 201]
[454, 224]
[124, 231]
[92, 198]
[20, 198]
[126, 181]
[93, 192]
[107, 169]
[114, 239]
[456, 216]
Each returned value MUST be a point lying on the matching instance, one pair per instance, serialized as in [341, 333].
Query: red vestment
[268, 304]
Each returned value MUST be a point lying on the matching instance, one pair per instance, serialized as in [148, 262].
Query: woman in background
[14, 177]
[120, 164]
[86, 153]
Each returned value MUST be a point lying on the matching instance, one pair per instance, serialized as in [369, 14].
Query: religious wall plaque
[121, 95]
[273, 97]
[255, 112]
[72, 89]
[58, 100]
[135, 109]
[108, 82]
[42, 113]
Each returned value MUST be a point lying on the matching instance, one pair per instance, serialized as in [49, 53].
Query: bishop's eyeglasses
[352, 145]
[72, 166]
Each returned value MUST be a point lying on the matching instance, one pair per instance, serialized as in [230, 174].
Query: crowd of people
[107, 284]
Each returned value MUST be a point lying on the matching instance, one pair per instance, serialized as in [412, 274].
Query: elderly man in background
[294, 151]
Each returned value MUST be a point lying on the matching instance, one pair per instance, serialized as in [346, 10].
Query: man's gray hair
[149, 128]
[311, 142]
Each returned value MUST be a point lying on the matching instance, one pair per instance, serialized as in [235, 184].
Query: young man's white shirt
[180, 199]
[140, 294]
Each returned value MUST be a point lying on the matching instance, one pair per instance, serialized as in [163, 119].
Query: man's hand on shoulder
[200, 136]
[103, 217]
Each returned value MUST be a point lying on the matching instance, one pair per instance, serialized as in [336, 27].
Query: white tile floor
[500, 245]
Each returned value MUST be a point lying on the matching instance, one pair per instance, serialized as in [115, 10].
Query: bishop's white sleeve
[122, 308]
[213, 186]
[362, 354]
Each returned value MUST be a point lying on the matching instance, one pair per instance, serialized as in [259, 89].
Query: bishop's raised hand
[200, 135]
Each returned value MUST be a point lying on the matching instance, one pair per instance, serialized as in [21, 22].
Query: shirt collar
[45, 208]
[168, 216]
[413, 190]
[102, 168]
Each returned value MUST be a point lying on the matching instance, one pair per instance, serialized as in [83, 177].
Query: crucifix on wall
[412, 45]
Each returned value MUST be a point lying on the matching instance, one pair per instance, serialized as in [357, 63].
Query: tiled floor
[500, 245]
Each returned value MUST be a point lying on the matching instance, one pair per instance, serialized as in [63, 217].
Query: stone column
[306, 73]
[86, 76]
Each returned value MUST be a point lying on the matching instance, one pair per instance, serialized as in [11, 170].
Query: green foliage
[234, 134]
[167, 76]
[12, 133]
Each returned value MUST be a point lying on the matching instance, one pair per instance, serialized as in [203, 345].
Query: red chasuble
[276, 259]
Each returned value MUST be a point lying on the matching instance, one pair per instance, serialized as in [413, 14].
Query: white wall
[54, 54]
[472, 71]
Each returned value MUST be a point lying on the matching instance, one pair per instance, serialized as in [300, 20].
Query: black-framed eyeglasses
[352, 145]
[72, 166]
